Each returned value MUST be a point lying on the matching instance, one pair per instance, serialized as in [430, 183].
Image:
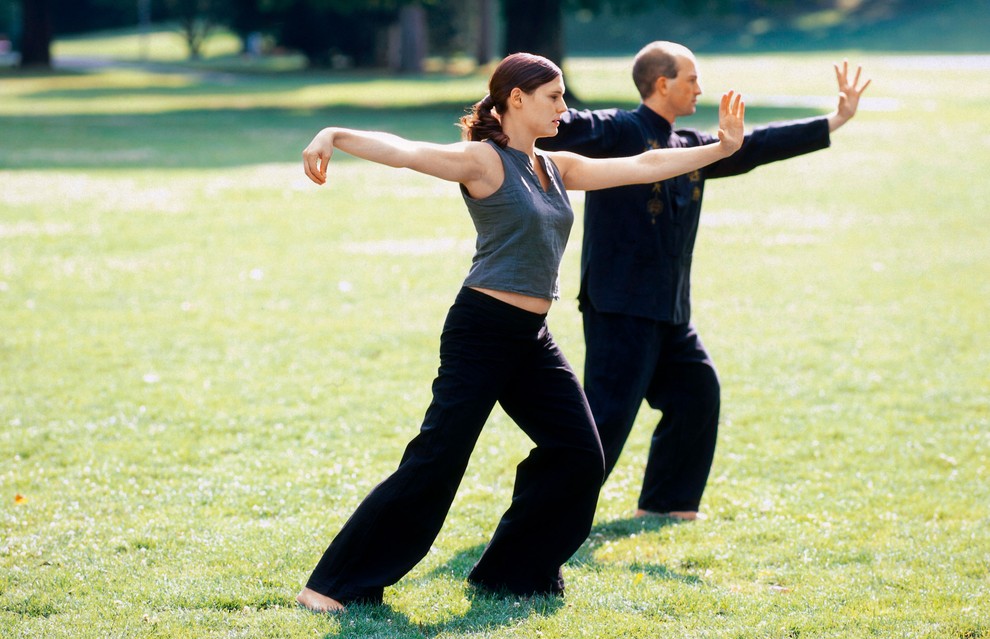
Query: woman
[495, 345]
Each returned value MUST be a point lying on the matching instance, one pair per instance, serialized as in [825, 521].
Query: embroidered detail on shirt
[654, 206]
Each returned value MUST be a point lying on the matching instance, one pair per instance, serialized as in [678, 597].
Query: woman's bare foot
[312, 600]
[683, 515]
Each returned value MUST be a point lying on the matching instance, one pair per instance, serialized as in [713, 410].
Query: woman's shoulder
[562, 160]
[484, 151]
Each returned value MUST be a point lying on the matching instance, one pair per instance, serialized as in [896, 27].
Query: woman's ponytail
[482, 123]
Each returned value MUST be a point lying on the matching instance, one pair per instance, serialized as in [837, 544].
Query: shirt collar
[655, 120]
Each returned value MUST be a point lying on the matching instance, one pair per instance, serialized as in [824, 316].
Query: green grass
[160, 44]
[206, 362]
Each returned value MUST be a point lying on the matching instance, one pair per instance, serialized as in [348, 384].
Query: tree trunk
[36, 38]
[195, 31]
[407, 40]
[485, 50]
[535, 26]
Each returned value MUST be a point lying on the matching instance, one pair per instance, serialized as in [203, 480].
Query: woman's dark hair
[519, 70]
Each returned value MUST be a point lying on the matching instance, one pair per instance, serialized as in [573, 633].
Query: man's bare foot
[312, 600]
[683, 515]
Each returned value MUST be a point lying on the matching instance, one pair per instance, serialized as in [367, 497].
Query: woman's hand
[731, 116]
[316, 156]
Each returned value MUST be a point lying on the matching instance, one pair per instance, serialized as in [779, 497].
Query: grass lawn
[206, 362]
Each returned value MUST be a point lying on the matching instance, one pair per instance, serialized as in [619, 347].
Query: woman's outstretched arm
[587, 174]
[470, 163]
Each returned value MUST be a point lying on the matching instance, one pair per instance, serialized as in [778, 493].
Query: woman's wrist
[329, 134]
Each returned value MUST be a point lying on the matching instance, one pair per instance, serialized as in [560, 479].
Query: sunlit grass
[206, 361]
[158, 44]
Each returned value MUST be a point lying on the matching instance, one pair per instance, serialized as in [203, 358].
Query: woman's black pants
[490, 352]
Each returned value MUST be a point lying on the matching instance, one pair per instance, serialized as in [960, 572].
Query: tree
[485, 45]
[537, 26]
[41, 20]
[389, 33]
[407, 40]
[534, 26]
[197, 19]
[36, 34]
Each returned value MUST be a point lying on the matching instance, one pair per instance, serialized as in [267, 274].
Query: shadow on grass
[461, 563]
[224, 138]
[208, 83]
[488, 610]
[606, 532]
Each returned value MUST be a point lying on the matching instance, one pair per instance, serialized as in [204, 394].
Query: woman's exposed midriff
[527, 303]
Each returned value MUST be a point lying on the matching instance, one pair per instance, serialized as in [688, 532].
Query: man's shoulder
[614, 114]
[690, 135]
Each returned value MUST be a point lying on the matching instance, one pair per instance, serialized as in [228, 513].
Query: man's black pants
[629, 359]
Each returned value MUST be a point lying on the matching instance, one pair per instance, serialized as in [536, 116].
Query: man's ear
[660, 86]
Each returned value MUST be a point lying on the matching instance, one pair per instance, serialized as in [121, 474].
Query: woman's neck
[520, 140]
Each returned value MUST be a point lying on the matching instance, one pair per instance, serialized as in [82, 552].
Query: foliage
[80, 16]
[877, 26]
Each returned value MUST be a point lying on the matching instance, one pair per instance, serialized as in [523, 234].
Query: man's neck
[657, 107]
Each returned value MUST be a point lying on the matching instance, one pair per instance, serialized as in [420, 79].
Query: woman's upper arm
[588, 174]
[463, 162]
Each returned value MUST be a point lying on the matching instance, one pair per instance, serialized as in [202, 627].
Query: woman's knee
[589, 466]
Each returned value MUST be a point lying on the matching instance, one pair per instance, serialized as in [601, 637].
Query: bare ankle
[682, 515]
[316, 602]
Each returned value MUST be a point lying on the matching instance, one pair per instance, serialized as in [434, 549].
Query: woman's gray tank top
[522, 229]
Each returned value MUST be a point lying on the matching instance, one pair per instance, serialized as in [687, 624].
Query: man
[636, 267]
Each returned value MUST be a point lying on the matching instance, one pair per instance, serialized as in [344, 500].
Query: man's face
[683, 91]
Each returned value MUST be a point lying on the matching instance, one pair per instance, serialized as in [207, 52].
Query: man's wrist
[835, 120]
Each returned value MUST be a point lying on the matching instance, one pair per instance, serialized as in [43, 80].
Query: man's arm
[582, 173]
[589, 133]
[770, 143]
[784, 140]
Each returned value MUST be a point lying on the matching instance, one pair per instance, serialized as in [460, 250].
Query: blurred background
[416, 35]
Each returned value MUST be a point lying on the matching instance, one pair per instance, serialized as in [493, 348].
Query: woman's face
[542, 108]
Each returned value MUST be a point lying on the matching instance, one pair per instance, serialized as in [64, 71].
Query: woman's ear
[515, 97]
